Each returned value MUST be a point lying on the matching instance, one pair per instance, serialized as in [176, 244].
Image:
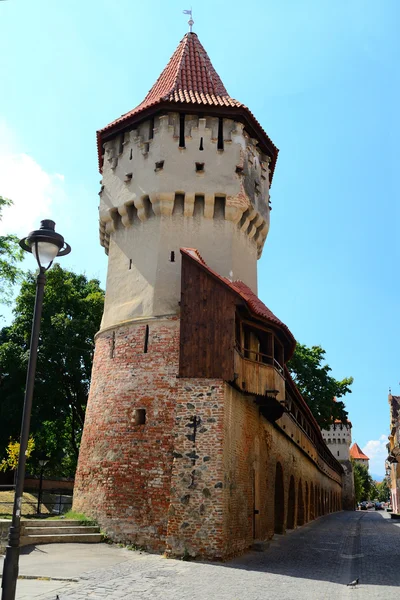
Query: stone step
[51, 523]
[64, 530]
[82, 538]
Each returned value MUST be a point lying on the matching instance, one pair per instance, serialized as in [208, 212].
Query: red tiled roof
[241, 289]
[189, 79]
[356, 452]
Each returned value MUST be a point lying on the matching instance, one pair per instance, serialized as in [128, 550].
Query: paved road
[314, 562]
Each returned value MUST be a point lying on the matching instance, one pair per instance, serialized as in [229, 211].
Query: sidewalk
[53, 567]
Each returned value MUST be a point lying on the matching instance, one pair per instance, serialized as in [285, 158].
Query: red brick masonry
[188, 480]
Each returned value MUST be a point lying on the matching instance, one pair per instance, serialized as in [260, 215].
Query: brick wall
[124, 469]
[189, 479]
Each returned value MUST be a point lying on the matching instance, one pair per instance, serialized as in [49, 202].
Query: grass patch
[75, 516]
[29, 504]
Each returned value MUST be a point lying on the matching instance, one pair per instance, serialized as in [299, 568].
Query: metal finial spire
[190, 22]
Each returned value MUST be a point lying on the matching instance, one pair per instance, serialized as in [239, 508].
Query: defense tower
[190, 166]
[179, 450]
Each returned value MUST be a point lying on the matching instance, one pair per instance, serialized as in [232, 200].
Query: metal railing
[55, 503]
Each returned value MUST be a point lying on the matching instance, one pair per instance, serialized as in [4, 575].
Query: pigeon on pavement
[354, 583]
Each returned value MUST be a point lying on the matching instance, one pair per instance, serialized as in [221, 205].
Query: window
[139, 416]
[181, 131]
[220, 144]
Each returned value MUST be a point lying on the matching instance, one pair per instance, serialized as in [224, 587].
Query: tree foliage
[365, 488]
[10, 255]
[72, 310]
[358, 485]
[317, 386]
[11, 460]
[383, 490]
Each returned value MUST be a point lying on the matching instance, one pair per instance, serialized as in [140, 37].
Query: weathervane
[190, 22]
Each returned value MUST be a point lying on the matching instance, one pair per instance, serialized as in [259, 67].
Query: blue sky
[323, 79]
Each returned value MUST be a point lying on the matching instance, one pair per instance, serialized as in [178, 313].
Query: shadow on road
[337, 548]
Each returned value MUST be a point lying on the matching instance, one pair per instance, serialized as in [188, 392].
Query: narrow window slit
[151, 129]
[112, 348]
[146, 340]
[146, 147]
[130, 264]
[181, 131]
[199, 167]
[172, 256]
[201, 144]
[130, 154]
[220, 144]
[159, 165]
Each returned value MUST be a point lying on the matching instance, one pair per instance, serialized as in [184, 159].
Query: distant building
[358, 455]
[338, 440]
[393, 466]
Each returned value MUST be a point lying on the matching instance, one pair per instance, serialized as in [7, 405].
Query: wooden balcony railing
[258, 376]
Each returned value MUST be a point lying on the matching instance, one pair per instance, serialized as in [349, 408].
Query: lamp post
[43, 460]
[45, 244]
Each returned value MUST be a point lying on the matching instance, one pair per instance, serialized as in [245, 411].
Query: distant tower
[338, 440]
[189, 167]
[358, 455]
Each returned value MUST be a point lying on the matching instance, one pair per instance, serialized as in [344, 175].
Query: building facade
[393, 460]
[196, 440]
[338, 440]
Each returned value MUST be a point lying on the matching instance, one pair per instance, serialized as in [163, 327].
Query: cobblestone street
[313, 562]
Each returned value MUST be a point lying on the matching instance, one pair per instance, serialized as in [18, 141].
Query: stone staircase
[57, 532]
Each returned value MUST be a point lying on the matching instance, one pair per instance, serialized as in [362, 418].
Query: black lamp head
[45, 243]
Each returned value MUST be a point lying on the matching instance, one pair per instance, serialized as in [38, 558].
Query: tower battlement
[169, 163]
[179, 180]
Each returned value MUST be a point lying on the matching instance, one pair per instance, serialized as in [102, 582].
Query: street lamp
[43, 460]
[45, 244]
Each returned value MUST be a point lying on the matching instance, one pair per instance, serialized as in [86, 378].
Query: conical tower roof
[190, 82]
[357, 453]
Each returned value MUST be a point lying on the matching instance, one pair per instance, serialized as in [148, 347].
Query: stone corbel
[163, 204]
[126, 213]
[188, 205]
[141, 208]
[209, 203]
[233, 213]
[252, 215]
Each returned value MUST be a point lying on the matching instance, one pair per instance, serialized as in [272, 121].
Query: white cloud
[377, 452]
[36, 194]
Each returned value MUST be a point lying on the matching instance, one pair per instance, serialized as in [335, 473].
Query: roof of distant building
[357, 453]
[190, 81]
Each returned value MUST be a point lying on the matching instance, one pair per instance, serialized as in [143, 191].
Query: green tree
[358, 485]
[368, 491]
[10, 255]
[384, 490]
[317, 386]
[72, 310]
